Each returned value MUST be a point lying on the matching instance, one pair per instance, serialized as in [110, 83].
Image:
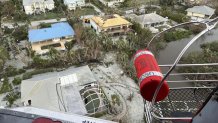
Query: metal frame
[149, 108]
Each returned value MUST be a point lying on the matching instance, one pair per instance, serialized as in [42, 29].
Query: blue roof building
[57, 30]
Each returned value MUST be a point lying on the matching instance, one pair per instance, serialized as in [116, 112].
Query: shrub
[208, 55]
[175, 16]
[6, 86]
[20, 16]
[51, 45]
[44, 25]
[20, 33]
[11, 71]
[176, 35]
[11, 98]
[69, 45]
[115, 99]
[29, 75]
[196, 28]
[17, 81]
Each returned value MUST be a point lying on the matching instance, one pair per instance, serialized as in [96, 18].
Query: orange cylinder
[149, 75]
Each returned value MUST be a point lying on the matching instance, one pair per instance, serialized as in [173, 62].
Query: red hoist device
[149, 75]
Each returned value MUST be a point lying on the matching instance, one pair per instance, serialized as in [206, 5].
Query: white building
[73, 4]
[65, 91]
[200, 13]
[37, 6]
[151, 21]
[111, 3]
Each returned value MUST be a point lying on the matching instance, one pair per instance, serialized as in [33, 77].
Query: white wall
[74, 4]
[95, 26]
[29, 9]
[111, 3]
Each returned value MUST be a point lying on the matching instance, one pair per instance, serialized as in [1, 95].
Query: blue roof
[56, 30]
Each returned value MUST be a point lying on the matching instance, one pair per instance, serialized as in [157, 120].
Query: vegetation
[167, 2]
[137, 3]
[215, 5]
[47, 15]
[17, 81]
[208, 55]
[50, 46]
[104, 8]
[69, 45]
[44, 25]
[59, 6]
[115, 99]
[98, 4]
[12, 10]
[11, 98]
[195, 29]
[3, 57]
[99, 114]
[87, 10]
[176, 35]
[29, 75]
[1, 8]
[6, 86]
[173, 15]
[20, 33]
[11, 71]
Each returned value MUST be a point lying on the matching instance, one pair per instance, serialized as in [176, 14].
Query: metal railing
[182, 102]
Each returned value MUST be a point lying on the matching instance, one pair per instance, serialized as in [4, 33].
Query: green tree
[167, 2]
[69, 45]
[17, 81]
[20, 33]
[38, 62]
[8, 9]
[6, 86]
[3, 57]
[1, 8]
[20, 16]
[11, 98]
[209, 55]
[54, 56]
[144, 35]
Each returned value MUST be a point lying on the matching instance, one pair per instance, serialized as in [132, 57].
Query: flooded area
[172, 50]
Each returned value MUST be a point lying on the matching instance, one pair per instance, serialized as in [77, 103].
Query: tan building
[55, 36]
[113, 24]
[200, 13]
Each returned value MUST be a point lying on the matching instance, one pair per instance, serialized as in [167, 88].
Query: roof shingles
[202, 10]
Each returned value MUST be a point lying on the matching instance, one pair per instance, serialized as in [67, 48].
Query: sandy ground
[112, 76]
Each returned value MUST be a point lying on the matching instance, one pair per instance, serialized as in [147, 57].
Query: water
[172, 50]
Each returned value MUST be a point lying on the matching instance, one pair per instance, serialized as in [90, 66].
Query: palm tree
[53, 55]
